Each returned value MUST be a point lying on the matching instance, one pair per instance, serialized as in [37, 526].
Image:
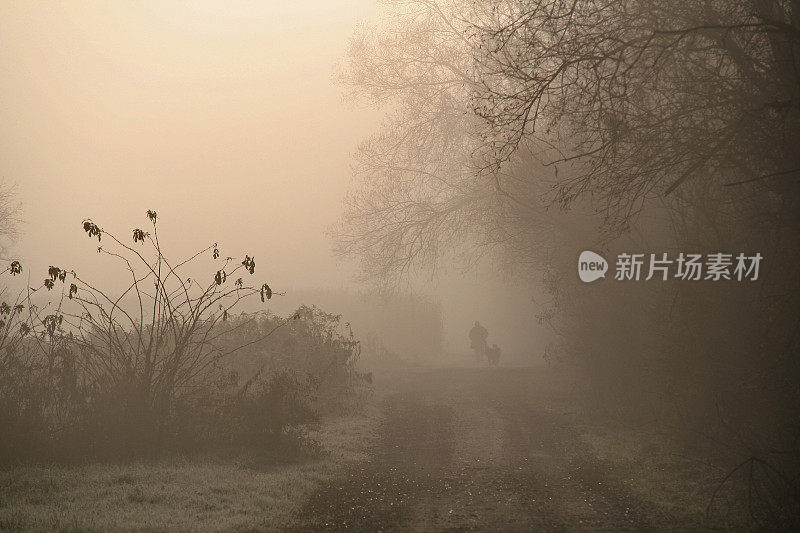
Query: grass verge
[667, 483]
[180, 493]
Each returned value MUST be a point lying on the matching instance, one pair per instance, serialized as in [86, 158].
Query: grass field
[515, 436]
[179, 493]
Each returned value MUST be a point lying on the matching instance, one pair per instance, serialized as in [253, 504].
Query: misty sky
[223, 117]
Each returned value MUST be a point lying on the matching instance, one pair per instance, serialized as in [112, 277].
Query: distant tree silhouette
[9, 217]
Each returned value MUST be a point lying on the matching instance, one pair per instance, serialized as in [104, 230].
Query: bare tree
[638, 97]
[415, 195]
[500, 109]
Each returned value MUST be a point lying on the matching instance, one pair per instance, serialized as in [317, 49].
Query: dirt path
[486, 449]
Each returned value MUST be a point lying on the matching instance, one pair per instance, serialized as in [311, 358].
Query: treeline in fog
[390, 326]
[533, 130]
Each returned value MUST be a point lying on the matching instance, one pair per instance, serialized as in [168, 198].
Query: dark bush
[105, 376]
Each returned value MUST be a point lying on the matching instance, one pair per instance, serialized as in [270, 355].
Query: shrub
[162, 365]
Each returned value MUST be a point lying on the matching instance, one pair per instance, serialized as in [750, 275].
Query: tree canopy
[499, 110]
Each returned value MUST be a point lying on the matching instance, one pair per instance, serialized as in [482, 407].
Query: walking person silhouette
[477, 338]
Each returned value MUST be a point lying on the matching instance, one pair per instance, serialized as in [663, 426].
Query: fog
[224, 119]
[315, 265]
[190, 110]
